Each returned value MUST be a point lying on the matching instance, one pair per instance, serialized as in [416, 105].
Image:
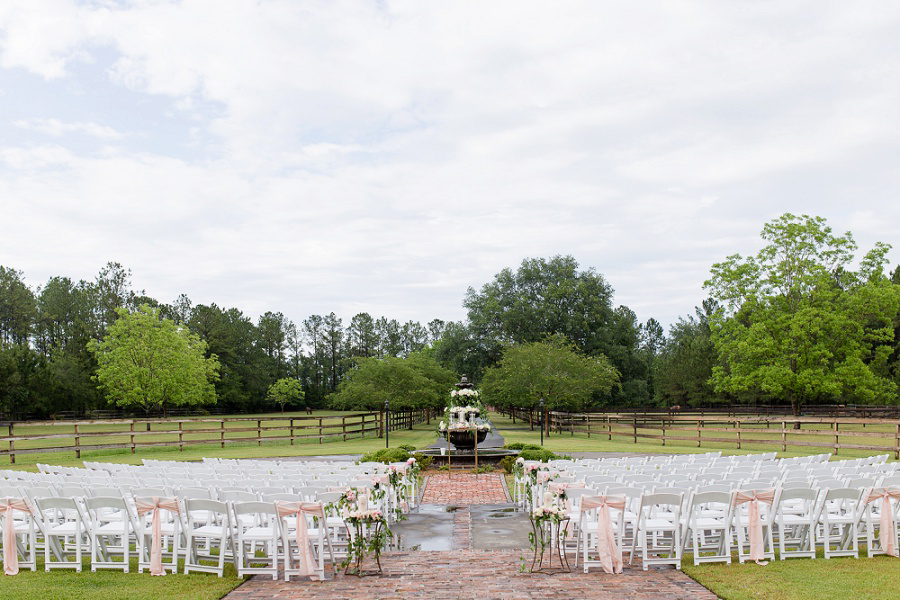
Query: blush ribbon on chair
[609, 551]
[285, 509]
[887, 534]
[10, 557]
[155, 505]
[755, 528]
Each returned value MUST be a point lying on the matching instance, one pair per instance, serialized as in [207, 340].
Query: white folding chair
[741, 520]
[659, 530]
[876, 502]
[170, 526]
[209, 526]
[590, 531]
[796, 517]
[839, 514]
[318, 540]
[112, 526]
[709, 526]
[256, 524]
[23, 525]
[65, 534]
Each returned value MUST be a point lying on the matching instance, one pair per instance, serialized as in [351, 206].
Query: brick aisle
[475, 574]
[479, 575]
[464, 489]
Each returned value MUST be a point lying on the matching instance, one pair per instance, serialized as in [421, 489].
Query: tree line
[794, 323]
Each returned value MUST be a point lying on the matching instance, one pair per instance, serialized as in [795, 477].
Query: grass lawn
[564, 443]
[102, 585]
[801, 578]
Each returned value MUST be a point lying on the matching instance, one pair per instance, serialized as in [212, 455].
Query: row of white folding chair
[106, 527]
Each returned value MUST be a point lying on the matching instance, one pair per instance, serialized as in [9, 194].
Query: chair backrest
[283, 497]
[57, 503]
[663, 499]
[261, 510]
[193, 492]
[328, 497]
[148, 492]
[715, 487]
[198, 504]
[107, 491]
[237, 496]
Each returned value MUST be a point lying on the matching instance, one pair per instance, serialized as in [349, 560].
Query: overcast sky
[382, 156]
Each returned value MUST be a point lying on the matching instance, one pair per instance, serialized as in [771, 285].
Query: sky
[384, 156]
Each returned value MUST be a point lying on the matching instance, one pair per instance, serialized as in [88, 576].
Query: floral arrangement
[551, 513]
[396, 480]
[370, 527]
[465, 412]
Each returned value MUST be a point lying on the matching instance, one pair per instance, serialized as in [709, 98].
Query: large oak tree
[149, 362]
[798, 324]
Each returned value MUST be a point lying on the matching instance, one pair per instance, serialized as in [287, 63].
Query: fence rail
[77, 436]
[803, 432]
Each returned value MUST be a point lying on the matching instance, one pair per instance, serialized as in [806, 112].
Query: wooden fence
[829, 434]
[78, 436]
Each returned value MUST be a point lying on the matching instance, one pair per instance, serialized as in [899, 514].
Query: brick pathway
[476, 574]
[464, 489]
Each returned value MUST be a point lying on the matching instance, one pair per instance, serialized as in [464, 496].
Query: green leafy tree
[686, 361]
[17, 307]
[152, 363]
[414, 382]
[286, 391]
[554, 297]
[554, 369]
[798, 325]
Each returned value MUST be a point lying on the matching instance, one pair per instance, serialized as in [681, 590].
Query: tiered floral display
[465, 418]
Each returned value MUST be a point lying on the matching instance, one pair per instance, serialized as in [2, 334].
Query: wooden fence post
[222, 434]
[784, 436]
[634, 422]
[663, 432]
[181, 436]
[320, 430]
[12, 445]
[836, 444]
[292, 432]
[699, 429]
[609, 428]
[344, 428]
[258, 433]
[132, 437]
[897, 443]
[737, 426]
[77, 442]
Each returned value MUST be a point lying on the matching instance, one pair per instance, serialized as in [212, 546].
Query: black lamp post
[542, 420]
[387, 426]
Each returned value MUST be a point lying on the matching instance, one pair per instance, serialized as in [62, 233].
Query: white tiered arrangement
[465, 415]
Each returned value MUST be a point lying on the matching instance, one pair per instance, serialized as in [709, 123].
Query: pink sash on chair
[888, 533]
[609, 551]
[155, 505]
[755, 528]
[10, 556]
[306, 564]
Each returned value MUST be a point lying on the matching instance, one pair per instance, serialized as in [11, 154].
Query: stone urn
[465, 440]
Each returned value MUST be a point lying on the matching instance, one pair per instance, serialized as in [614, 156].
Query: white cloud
[384, 156]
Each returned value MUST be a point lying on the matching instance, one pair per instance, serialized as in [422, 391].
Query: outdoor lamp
[542, 419]
[387, 427]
